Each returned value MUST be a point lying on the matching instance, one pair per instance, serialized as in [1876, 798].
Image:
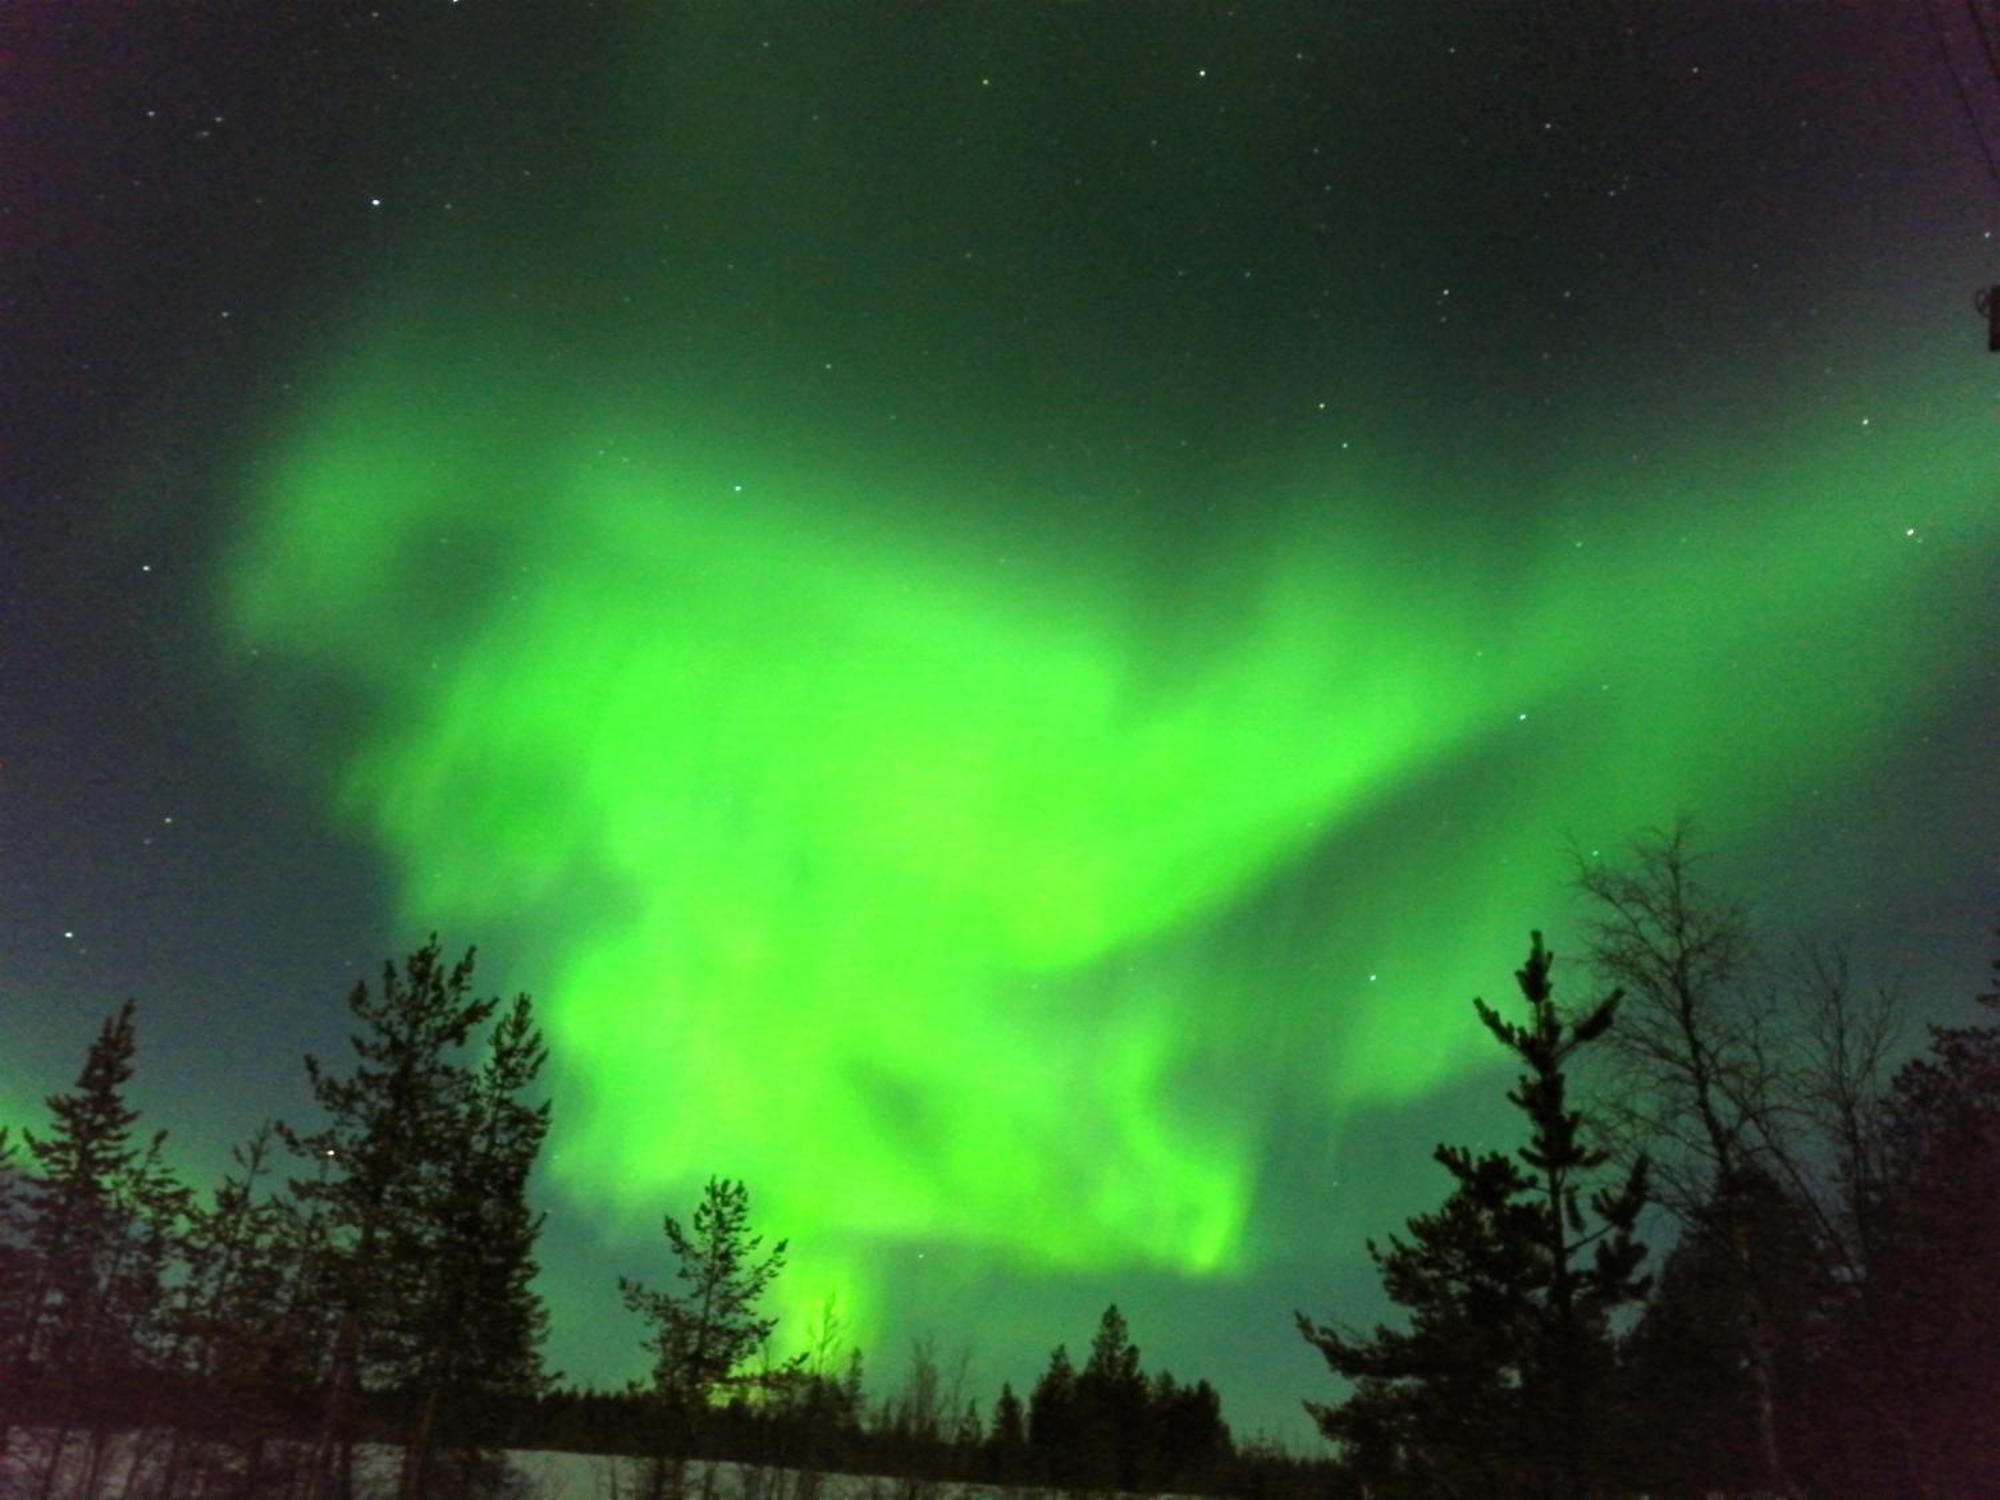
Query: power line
[1985, 38]
[1958, 82]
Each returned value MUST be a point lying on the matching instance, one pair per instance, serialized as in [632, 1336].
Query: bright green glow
[854, 829]
[970, 880]
[878, 873]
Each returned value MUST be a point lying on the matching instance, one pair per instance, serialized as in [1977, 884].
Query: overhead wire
[1987, 300]
[1943, 40]
[1986, 43]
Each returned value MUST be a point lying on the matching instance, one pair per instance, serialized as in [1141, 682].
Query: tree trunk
[1763, 1372]
[54, 1464]
[170, 1466]
[417, 1449]
[333, 1454]
[253, 1469]
[94, 1449]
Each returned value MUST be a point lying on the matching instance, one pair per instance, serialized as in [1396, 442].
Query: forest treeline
[1825, 1318]
[1748, 1243]
[369, 1281]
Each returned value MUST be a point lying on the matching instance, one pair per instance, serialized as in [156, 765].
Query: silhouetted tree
[72, 1214]
[16, 1286]
[1495, 1386]
[1052, 1426]
[1191, 1442]
[233, 1355]
[1111, 1411]
[481, 1323]
[920, 1424]
[427, 1240]
[1007, 1442]
[812, 1413]
[705, 1334]
[1932, 1366]
[1694, 1068]
[103, 1216]
[1109, 1426]
[1686, 1384]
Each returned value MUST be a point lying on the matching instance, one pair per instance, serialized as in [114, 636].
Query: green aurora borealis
[977, 829]
[879, 874]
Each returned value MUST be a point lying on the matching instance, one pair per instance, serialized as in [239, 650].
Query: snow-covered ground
[130, 1465]
[582, 1476]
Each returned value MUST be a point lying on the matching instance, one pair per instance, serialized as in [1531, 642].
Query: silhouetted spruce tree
[228, 1330]
[290, 1349]
[72, 1195]
[102, 1220]
[1191, 1442]
[1932, 1365]
[1682, 1367]
[1007, 1441]
[15, 1267]
[1495, 1386]
[483, 1324]
[854, 1394]
[426, 1240]
[966, 1436]
[704, 1335]
[1052, 1421]
[16, 1284]
[1111, 1412]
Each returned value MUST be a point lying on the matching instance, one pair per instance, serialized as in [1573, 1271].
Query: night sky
[1003, 610]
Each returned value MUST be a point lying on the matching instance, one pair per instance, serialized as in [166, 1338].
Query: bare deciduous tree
[1694, 1073]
